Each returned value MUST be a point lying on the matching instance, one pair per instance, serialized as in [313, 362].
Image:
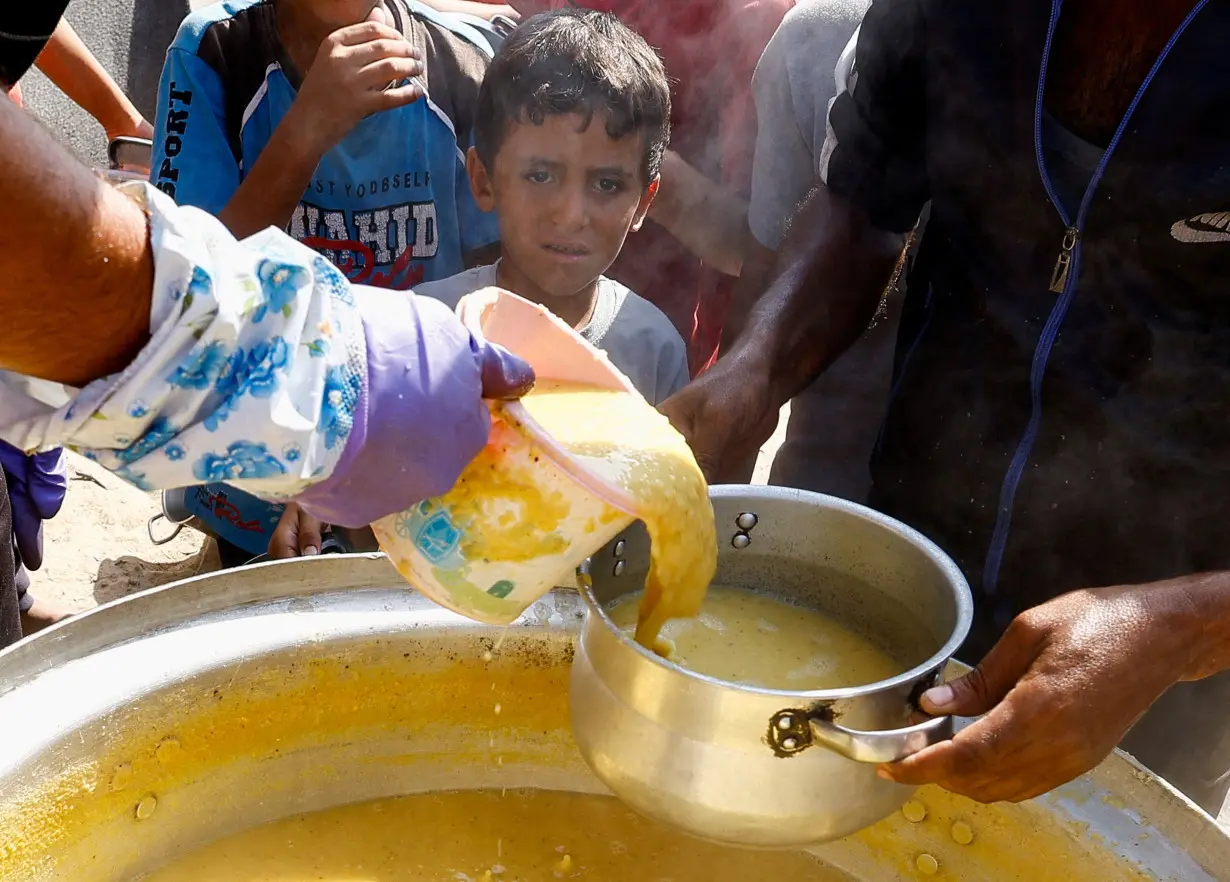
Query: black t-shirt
[1047, 440]
[24, 29]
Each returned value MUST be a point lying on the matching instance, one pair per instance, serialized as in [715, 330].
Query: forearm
[833, 270]
[252, 375]
[709, 219]
[268, 195]
[1209, 596]
[759, 268]
[69, 64]
[90, 258]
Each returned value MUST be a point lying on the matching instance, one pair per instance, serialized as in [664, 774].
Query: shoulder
[450, 291]
[639, 340]
[635, 318]
[815, 17]
[455, 33]
[229, 24]
[814, 32]
[643, 343]
[748, 24]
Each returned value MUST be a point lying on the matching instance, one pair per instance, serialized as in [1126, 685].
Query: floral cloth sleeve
[255, 367]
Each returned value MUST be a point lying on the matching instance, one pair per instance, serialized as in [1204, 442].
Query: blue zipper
[1063, 283]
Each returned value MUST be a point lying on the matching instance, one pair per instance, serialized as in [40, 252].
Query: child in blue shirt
[344, 122]
[573, 119]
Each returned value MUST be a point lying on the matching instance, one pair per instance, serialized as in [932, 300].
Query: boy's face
[566, 199]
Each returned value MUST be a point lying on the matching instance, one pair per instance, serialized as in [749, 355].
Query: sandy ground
[97, 549]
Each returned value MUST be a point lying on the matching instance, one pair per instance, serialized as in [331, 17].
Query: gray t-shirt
[793, 86]
[636, 336]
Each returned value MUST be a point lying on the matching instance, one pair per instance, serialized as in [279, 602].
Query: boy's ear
[480, 181]
[642, 208]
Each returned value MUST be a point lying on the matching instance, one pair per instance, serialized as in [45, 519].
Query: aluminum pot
[242, 697]
[762, 767]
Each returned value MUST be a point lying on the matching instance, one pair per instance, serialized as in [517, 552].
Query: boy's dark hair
[576, 61]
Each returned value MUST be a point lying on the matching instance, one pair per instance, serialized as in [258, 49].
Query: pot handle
[887, 746]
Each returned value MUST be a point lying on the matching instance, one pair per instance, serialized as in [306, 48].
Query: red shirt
[710, 49]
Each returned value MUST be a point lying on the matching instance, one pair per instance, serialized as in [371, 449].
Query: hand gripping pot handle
[795, 731]
[881, 747]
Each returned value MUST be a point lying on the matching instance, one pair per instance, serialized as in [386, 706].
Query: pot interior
[871, 575]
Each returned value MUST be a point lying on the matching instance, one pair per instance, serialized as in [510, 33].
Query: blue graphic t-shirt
[390, 204]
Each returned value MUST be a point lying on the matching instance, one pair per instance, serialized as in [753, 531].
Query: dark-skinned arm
[1066, 681]
[757, 273]
[836, 258]
[834, 268]
[69, 63]
[97, 241]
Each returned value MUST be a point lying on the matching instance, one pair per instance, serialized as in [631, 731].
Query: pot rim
[962, 597]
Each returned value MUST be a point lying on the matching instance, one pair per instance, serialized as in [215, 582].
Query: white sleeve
[255, 364]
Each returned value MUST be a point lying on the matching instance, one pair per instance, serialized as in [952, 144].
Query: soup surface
[757, 640]
[622, 438]
[481, 836]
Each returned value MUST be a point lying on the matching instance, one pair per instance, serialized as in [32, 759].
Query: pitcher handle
[888, 746]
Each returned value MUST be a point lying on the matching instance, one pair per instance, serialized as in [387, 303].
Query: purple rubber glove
[422, 417]
[37, 484]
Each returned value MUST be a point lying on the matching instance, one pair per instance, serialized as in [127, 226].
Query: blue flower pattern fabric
[253, 372]
[342, 389]
[202, 370]
[243, 460]
[280, 283]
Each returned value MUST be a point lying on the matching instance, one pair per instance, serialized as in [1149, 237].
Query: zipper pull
[1063, 266]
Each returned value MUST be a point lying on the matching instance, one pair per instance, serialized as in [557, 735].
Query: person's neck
[301, 31]
[576, 309]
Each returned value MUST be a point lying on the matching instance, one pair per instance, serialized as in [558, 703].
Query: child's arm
[348, 81]
[69, 64]
[297, 534]
[195, 162]
[709, 219]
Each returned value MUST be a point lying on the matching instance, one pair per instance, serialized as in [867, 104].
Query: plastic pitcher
[477, 550]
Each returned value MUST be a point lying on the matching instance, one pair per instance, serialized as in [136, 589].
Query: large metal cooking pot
[764, 767]
[230, 700]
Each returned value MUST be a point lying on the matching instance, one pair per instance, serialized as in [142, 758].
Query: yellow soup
[480, 836]
[757, 640]
[623, 439]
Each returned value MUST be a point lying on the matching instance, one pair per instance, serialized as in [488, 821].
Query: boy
[344, 122]
[573, 119]
[710, 48]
